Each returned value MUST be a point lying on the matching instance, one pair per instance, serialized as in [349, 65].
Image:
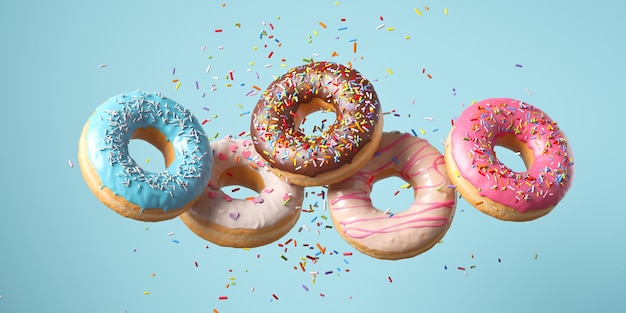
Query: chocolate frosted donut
[342, 148]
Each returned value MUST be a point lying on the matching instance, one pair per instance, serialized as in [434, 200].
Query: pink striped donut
[488, 184]
[395, 234]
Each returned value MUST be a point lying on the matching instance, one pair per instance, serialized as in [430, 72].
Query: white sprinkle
[387, 211]
[528, 91]
[428, 118]
[306, 227]
[380, 26]
[171, 233]
[208, 68]
[102, 65]
[70, 163]
[268, 65]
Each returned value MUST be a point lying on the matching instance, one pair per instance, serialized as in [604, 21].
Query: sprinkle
[354, 47]
[323, 250]
[390, 29]
[218, 30]
[518, 65]
[305, 287]
[528, 91]
[223, 298]
[418, 12]
[270, 55]
[323, 25]
[146, 293]
[380, 26]
[275, 297]
[102, 65]
[196, 263]
[177, 85]
[461, 268]
[171, 233]
[414, 133]
[389, 277]
[389, 71]
[283, 257]
[445, 11]
[70, 163]
[175, 241]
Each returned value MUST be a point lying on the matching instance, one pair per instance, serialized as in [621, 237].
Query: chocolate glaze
[283, 105]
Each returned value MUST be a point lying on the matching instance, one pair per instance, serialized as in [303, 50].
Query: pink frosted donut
[399, 234]
[243, 223]
[488, 184]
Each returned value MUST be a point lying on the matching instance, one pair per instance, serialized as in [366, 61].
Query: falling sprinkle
[102, 65]
[445, 11]
[518, 65]
[70, 163]
[418, 12]
[528, 91]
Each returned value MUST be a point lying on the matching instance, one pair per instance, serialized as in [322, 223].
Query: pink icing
[474, 136]
[428, 217]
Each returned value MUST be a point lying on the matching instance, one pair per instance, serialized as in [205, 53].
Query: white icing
[266, 209]
[415, 229]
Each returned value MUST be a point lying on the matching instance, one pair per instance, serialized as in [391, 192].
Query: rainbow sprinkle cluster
[276, 117]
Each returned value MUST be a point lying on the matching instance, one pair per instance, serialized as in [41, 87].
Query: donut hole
[315, 117]
[240, 182]
[391, 193]
[513, 153]
[150, 150]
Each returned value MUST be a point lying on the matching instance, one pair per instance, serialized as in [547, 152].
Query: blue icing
[110, 129]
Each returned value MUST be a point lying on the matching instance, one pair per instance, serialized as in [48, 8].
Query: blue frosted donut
[119, 182]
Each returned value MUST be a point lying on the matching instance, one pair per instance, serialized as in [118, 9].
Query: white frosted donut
[400, 234]
[250, 222]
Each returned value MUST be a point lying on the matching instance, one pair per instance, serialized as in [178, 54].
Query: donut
[389, 234]
[118, 180]
[342, 149]
[250, 222]
[487, 183]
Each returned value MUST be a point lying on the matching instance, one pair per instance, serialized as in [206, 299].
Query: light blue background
[63, 251]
